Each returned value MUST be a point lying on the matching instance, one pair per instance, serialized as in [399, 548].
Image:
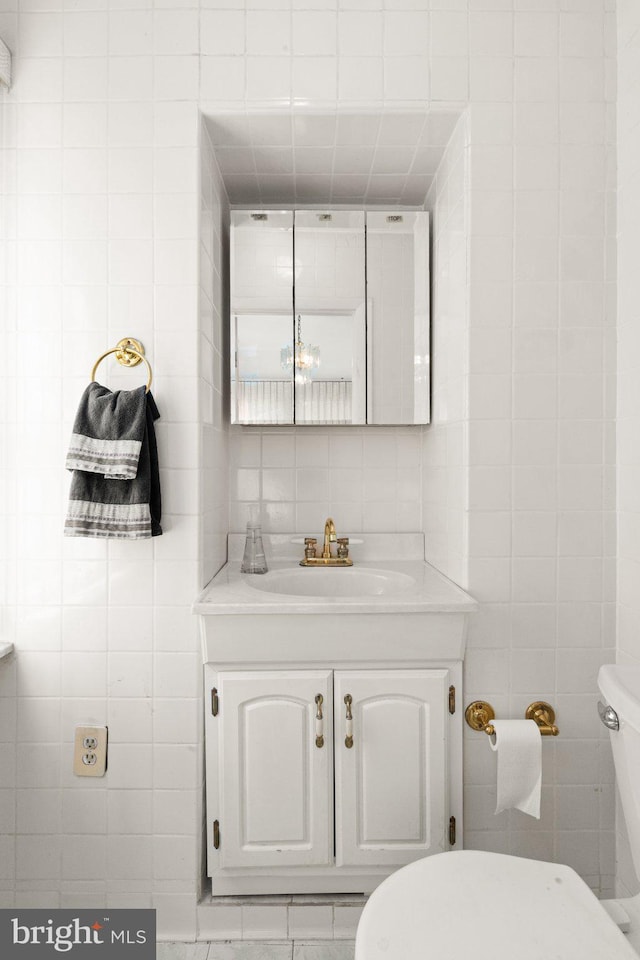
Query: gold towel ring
[129, 353]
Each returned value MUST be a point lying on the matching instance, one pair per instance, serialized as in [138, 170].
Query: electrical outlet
[90, 752]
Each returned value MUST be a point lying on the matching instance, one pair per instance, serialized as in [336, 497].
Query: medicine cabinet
[329, 317]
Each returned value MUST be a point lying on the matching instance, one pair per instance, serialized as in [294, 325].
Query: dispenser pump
[254, 560]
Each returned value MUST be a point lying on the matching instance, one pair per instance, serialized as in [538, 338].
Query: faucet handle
[310, 547]
[343, 547]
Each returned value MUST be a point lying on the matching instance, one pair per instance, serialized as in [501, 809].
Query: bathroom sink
[390, 604]
[332, 582]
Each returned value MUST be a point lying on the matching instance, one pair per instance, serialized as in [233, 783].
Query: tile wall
[212, 370]
[100, 214]
[628, 344]
[445, 455]
[101, 192]
[541, 402]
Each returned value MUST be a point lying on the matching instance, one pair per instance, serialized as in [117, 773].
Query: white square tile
[85, 34]
[536, 34]
[85, 79]
[130, 170]
[130, 720]
[220, 923]
[268, 32]
[83, 674]
[129, 858]
[41, 34]
[222, 78]
[311, 923]
[38, 857]
[127, 74]
[264, 923]
[314, 78]
[314, 33]
[222, 32]
[406, 78]
[176, 78]
[129, 811]
[38, 811]
[176, 812]
[175, 764]
[449, 33]
[360, 34]
[130, 766]
[130, 32]
[175, 32]
[176, 721]
[405, 33]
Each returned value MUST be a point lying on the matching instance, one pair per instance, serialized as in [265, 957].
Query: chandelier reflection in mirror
[307, 357]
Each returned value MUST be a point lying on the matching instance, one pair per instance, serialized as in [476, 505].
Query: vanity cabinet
[302, 797]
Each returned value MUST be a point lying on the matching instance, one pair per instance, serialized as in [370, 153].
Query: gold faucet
[342, 558]
[329, 538]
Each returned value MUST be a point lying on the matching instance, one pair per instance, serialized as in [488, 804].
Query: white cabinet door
[276, 783]
[390, 802]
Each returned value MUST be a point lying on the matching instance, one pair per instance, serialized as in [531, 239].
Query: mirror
[261, 316]
[329, 317]
[398, 317]
[329, 303]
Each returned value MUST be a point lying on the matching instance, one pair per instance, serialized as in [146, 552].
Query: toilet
[474, 904]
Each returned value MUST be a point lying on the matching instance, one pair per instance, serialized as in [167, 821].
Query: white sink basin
[332, 582]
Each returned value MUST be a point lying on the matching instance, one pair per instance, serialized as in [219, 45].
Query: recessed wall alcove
[357, 157]
[403, 158]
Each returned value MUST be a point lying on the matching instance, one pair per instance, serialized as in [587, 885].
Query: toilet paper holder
[479, 715]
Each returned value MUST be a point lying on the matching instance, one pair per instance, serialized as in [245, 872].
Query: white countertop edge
[6, 649]
[325, 605]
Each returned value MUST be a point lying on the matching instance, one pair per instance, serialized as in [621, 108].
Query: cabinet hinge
[452, 699]
[452, 830]
[216, 834]
[214, 701]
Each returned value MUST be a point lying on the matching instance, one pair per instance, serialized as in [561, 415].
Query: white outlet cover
[98, 766]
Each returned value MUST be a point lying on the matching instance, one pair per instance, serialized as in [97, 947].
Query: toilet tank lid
[619, 684]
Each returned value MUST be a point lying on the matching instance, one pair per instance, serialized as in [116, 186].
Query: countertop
[231, 592]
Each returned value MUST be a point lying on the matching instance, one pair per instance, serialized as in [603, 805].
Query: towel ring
[129, 353]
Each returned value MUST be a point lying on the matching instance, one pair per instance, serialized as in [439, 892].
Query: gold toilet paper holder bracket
[479, 715]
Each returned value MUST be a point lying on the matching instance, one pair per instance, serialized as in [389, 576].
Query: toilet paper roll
[518, 744]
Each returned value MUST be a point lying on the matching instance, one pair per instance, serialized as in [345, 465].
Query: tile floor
[257, 950]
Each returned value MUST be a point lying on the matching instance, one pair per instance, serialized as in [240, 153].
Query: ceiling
[350, 158]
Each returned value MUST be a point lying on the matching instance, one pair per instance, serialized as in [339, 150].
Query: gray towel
[107, 432]
[115, 490]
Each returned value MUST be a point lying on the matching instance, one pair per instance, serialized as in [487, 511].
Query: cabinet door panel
[276, 783]
[330, 310]
[391, 785]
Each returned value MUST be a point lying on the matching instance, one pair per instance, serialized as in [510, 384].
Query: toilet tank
[620, 689]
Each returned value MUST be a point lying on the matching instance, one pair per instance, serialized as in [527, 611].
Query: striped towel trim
[115, 459]
[128, 521]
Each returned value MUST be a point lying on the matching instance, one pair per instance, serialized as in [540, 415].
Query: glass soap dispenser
[254, 560]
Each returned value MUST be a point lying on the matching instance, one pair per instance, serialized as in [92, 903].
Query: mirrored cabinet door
[397, 317]
[329, 317]
[261, 316]
[330, 311]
